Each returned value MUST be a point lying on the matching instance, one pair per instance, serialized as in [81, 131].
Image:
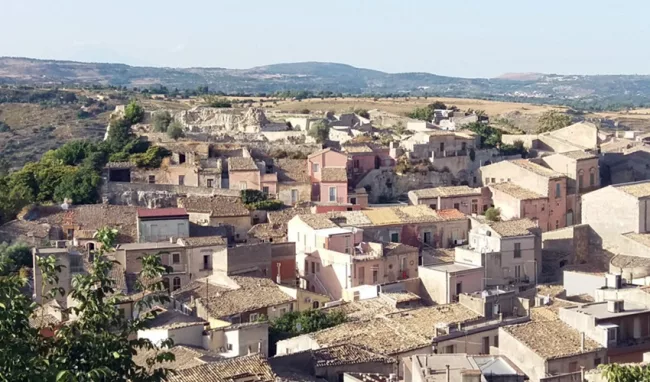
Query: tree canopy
[161, 121]
[625, 373]
[553, 120]
[133, 112]
[319, 131]
[493, 214]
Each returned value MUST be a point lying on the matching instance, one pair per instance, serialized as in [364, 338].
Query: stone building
[463, 198]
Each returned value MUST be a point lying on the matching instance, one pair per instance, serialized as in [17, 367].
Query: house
[622, 327]
[331, 362]
[71, 262]
[328, 174]
[544, 348]
[445, 282]
[223, 300]
[249, 368]
[439, 144]
[162, 223]
[171, 324]
[581, 136]
[294, 185]
[463, 198]
[516, 202]
[363, 157]
[461, 368]
[509, 252]
[557, 210]
[219, 211]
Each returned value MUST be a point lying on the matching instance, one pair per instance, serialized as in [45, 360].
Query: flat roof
[599, 310]
[453, 267]
[136, 246]
[162, 212]
[332, 231]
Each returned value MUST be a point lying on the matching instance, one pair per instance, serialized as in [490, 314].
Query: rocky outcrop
[213, 120]
[148, 199]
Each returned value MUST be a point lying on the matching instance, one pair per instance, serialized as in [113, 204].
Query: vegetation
[553, 120]
[161, 121]
[4, 128]
[490, 136]
[175, 130]
[295, 323]
[362, 113]
[257, 200]
[422, 113]
[614, 372]
[517, 148]
[152, 158]
[493, 214]
[218, 102]
[133, 113]
[319, 131]
[14, 257]
[252, 196]
[98, 344]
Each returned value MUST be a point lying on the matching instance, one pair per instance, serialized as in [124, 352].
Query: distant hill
[337, 78]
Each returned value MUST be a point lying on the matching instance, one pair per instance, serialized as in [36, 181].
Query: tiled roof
[382, 216]
[391, 249]
[334, 174]
[397, 332]
[41, 319]
[172, 319]
[417, 214]
[253, 293]
[517, 227]
[216, 206]
[402, 296]
[446, 192]
[283, 216]
[579, 154]
[292, 170]
[228, 370]
[242, 164]
[184, 358]
[317, 221]
[204, 241]
[266, 231]
[516, 191]
[96, 216]
[347, 354]
[320, 152]
[537, 169]
[161, 212]
[357, 148]
[451, 214]
[624, 261]
[349, 218]
[550, 339]
[26, 231]
[364, 310]
[638, 189]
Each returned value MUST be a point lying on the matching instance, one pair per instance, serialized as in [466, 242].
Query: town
[324, 246]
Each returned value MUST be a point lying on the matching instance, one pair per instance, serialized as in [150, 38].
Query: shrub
[175, 130]
[218, 102]
[152, 158]
[362, 113]
[252, 196]
[493, 214]
[320, 131]
[133, 113]
[304, 111]
[266, 205]
[161, 121]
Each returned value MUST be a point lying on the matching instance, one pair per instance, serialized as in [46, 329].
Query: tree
[252, 196]
[218, 102]
[161, 121]
[614, 372]
[362, 113]
[553, 120]
[437, 105]
[493, 214]
[15, 256]
[133, 112]
[98, 345]
[295, 323]
[80, 185]
[422, 113]
[175, 130]
[320, 131]
[119, 133]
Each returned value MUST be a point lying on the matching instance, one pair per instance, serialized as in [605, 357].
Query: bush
[320, 131]
[266, 205]
[362, 113]
[4, 128]
[295, 323]
[175, 130]
[133, 113]
[161, 121]
[421, 113]
[82, 114]
[304, 111]
[152, 158]
[218, 102]
[493, 214]
[252, 196]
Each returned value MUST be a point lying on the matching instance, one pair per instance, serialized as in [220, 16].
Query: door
[427, 238]
[294, 196]
[569, 218]
[486, 345]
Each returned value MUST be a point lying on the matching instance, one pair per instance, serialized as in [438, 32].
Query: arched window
[166, 283]
[581, 177]
[592, 177]
[177, 283]
[314, 305]
[91, 246]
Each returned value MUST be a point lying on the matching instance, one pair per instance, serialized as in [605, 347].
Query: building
[71, 262]
[294, 185]
[218, 211]
[162, 223]
[434, 145]
[463, 198]
[363, 157]
[328, 174]
[445, 282]
[556, 211]
[248, 368]
[545, 348]
[245, 174]
[581, 136]
[461, 368]
[622, 327]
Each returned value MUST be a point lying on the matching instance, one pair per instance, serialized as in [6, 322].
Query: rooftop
[267, 232]
[446, 192]
[96, 216]
[161, 212]
[364, 310]
[317, 221]
[216, 206]
[517, 227]
[242, 164]
[637, 189]
[579, 155]
[292, 170]
[537, 169]
[550, 339]
[461, 362]
[404, 296]
[516, 191]
[228, 370]
[172, 319]
[204, 241]
[283, 216]
[185, 357]
[334, 174]
[453, 267]
[347, 354]
[357, 148]
[600, 312]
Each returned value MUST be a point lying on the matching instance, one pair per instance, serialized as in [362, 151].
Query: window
[434, 206]
[517, 272]
[348, 248]
[210, 183]
[229, 347]
[314, 305]
[375, 274]
[459, 287]
[315, 167]
[394, 237]
[362, 272]
[332, 194]
[265, 190]
[176, 258]
[206, 262]
[253, 317]
[580, 180]
[152, 179]
[70, 234]
[463, 146]
[243, 185]
[177, 283]
[355, 163]
[492, 180]
[558, 190]
[474, 180]
[402, 264]
[517, 250]
[313, 267]
[486, 345]
[487, 181]
[181, 158]
[122, 312]
[181, 180]
[597, 362]
[353, 200]
[485, 207]
[449, 349]
[496, 341]
[317, 267]
[283, 310]
[474, 206]
[442, 146]
[166, 284]
[592, 177]
[457, 206]
[557, 224]
[294, 196]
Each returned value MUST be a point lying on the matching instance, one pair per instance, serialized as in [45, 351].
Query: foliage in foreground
[93, 347]
[625, 373]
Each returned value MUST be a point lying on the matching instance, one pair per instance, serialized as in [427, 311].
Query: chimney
[447, 373]
[582, 342]
[615, 306]
[171, 239]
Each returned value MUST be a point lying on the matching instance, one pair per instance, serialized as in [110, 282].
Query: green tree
[295, 323]
[175, 130]
[422, 113]
[15, 256]
[614, 372]
[152, 158]
[553, 120]
[493, 214]
[437, 105]
[218, 102]
[98, 345]
[320, 131]
[133, 112]
[81, 186]
[161, 121]
[119, 134]
[252, 196]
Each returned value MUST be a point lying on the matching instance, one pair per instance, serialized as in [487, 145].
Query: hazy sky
[471, 38]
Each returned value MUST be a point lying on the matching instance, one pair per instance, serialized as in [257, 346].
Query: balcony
[177, 268]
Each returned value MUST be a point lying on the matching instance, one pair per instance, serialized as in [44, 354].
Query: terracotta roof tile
[242, 164]
[451, 214]
[579, 155]
[357, 148]
[517, 227]
[216, 206]
[537, 168]
[334, 174]
[185, 357]
[266, 231]
[347, 354]
[228, 370]
[516, 191]
[638, 189]
[446, 192]
[161, 212]
[292, 170]
[172, 319]
[204, 241]
[283, 216]
[317, 221]
[96, 216]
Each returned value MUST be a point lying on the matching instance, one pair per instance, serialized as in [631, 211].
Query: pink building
[462, 198]
[365, 157]
[328, 174]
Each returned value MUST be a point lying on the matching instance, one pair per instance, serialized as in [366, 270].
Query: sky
[463, 38]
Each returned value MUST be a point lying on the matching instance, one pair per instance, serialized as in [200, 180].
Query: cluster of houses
[432, 289]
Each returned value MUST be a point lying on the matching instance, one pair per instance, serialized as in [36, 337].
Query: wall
[188, 335]
[157, 230]
[153, 195]
[296, 344]
[195, 256]
[167, 174]
[607, 219]
[503, 171]
[305, 299]
[573, 241]
[284, 192]
[529, 140]
[234, 260]
[64, 281]
[241, 224]
[156, 336]
[524, 358]
[562, 365]
[250, 178]
[333, 373]
[386, 185]
[577, 283]
[341, 192]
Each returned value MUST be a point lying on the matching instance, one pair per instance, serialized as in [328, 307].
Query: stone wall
[154, 195]
[386, 185]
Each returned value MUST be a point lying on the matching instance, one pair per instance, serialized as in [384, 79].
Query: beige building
[294, 185]
[582, 136]
[162, 224]
[461, 368]
[218, 211]
[71, 261]
[463, 198]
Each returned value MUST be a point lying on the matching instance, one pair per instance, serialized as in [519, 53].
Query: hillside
[574, 90]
